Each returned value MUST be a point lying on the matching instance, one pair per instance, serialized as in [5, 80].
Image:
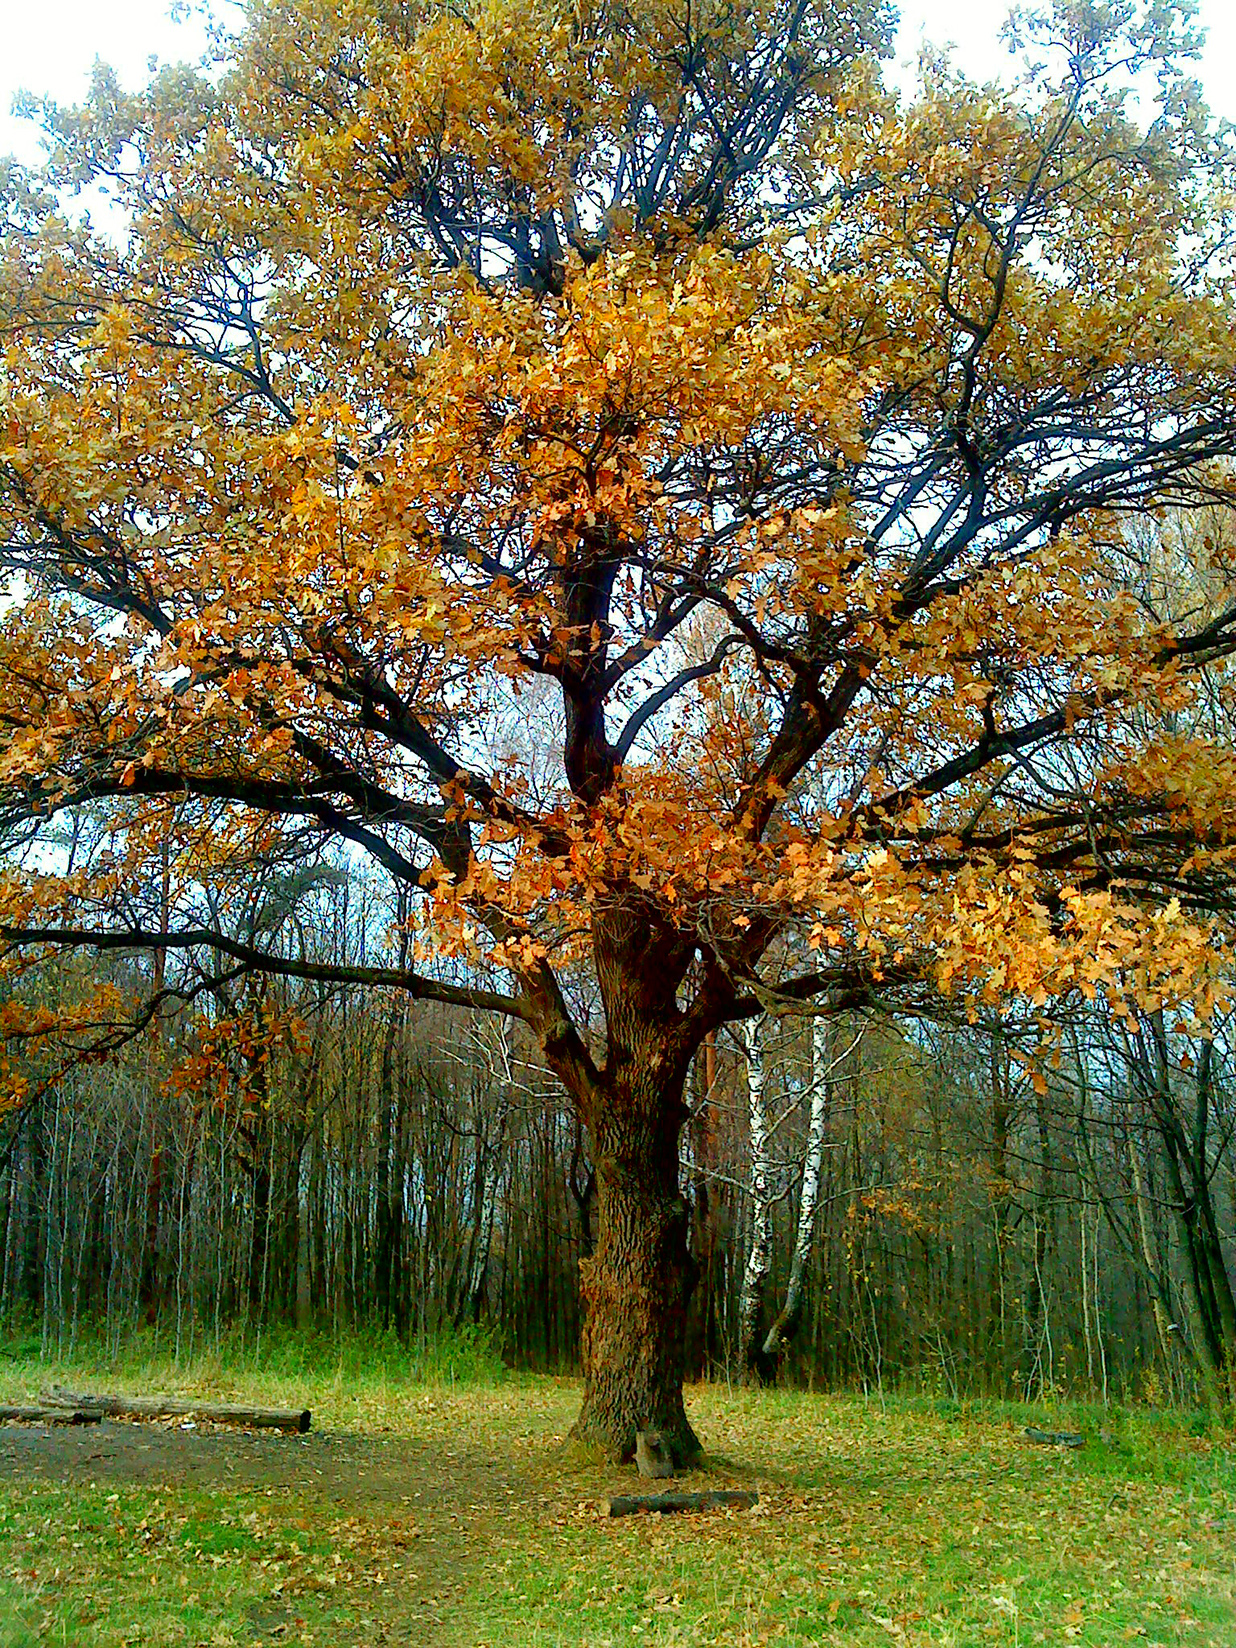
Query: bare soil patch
[345, 1470]
[410, 1521]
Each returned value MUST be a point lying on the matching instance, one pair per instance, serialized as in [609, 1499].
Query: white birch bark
[783, 1328]
[490, 1168]
[759, 1249]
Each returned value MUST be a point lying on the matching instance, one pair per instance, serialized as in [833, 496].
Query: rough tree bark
[636, 1283]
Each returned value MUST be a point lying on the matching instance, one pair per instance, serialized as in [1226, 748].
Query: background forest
[938, 1203]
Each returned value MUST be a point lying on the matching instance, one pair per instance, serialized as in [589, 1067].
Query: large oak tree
[663, 501]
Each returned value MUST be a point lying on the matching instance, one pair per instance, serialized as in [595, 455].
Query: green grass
[349, 1379]
[433, 1512]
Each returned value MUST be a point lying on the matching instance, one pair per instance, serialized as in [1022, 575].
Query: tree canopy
[682, 514]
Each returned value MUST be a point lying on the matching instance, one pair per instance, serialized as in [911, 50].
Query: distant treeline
[986, 1218]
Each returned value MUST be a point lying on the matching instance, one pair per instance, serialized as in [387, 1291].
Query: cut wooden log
[714, 1499]
[182, 1407]
[1055, 1439]
[51, 1414]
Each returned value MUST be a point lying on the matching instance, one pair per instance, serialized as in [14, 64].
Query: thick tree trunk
[636, 1283]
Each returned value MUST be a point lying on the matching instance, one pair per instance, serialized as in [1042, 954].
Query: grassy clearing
[348, 1379]
[426, 1513]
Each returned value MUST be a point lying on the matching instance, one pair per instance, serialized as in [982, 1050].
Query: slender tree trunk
[582, 1183]
[1001, 1206]
[1210, 1246]
[304, 1168]
[702, 1152]
[257, 1144]
[1208, 1327]
[786, 1324]
[1211, 1256]
[1153, 1270]
[1038, 1325]
[1084, 1272]
[150, 1242]
[1186, 1155]
[489, 1158]
[10, 1227]
[759, 1249]
[387, 1218]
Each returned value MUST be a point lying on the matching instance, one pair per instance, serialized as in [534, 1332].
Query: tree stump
[653, 1455]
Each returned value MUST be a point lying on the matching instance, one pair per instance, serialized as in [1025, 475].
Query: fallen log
[1055, 1439]
[51, 1414]
[182, 1407]
[627, 1504]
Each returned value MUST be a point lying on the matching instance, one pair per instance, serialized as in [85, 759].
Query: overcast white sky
[47, 46]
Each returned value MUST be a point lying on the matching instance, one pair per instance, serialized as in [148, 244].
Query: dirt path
[424, 1510]
[357, 1472]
